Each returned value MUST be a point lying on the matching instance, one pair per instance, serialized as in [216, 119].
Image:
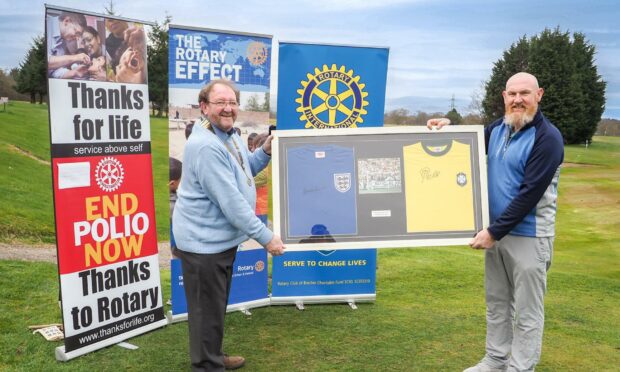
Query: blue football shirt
[321, 190]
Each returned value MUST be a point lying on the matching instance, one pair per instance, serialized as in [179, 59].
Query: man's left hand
[482, 240]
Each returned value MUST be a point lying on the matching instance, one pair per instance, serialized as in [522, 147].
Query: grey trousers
[206, 280]
[515, 283]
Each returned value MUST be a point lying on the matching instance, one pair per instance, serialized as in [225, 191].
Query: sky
[439, 49]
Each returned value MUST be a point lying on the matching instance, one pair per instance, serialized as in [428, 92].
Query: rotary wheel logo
[257, 53]
[259, 266]
[332, 98]
[109, 174]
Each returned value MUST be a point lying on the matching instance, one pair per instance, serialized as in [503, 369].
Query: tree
[608, 127]
[477, 96]
[397, 117]
[591, 84]
[454, 116]
[109, 9]
[472, 119]
[157, 50]
[514, 60]
[552, 64]
[252, 104]
[7, 85]
[32, 76]
[574, 95]
[266, 104]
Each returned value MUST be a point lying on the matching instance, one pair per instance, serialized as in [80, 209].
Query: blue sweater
[524, 169]
[215, 206]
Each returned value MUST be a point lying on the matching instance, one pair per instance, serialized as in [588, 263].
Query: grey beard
[518, 121]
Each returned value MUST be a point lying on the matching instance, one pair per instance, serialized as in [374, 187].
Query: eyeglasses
[222, 104]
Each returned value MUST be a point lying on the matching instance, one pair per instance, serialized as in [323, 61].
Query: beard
[519, 119]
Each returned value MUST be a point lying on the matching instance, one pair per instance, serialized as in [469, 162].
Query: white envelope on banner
[72, 175]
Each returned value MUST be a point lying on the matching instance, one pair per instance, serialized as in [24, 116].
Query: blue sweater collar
[218, 132]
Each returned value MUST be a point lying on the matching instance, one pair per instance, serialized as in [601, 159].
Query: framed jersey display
[379, 187]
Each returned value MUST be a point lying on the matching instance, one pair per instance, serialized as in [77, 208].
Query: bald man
[524, 152]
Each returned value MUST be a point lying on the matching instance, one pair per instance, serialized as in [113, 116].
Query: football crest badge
[342, 181]
[461, 179]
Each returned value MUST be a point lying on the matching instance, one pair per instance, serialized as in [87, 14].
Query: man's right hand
[275, 246]
[437, 122]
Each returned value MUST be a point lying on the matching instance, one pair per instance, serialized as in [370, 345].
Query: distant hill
[7, 83]
[425, 104]
[608, 127]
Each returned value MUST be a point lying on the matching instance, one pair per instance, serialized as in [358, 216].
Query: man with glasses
[214, 213]
[63, 34]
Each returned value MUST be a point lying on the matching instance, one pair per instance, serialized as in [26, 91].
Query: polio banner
[197, 56]
[323, 87]
[102, 180]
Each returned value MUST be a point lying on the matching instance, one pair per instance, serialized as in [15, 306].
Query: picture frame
[379, 187]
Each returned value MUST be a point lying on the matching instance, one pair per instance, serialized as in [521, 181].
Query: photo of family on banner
[196, 57]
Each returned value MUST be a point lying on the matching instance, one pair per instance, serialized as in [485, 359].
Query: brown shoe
[233, 362]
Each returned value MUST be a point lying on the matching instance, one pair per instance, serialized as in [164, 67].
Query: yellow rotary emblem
[332, 98]
[257, 53]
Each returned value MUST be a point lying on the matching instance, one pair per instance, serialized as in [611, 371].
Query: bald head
[521, 99]
[523, 78]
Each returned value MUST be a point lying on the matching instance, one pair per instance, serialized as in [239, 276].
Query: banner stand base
[60, 354]
[63, 356]
[243, 307]
[300, 302]
[175, 318]
[127, 345]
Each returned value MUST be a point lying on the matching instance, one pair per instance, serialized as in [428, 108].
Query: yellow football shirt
[438, 187]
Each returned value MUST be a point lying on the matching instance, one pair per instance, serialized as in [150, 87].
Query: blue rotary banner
[198, 56]
[324, 274]
[248, 288]
[328, 86]
[323, 87]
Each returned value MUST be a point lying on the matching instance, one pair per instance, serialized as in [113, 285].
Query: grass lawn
[429, 314]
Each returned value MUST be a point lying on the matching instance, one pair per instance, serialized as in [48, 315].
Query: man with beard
[213, 214]
[524, 152]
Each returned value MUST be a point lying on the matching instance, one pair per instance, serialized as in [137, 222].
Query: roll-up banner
[323, 87]
[102, 179]
[197, 56]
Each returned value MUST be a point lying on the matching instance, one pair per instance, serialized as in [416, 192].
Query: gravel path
[47, 253]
